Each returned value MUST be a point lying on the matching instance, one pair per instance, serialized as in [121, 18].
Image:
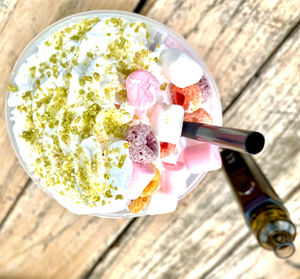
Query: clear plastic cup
[163, 35]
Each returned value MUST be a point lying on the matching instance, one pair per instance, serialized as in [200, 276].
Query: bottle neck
[278, 236]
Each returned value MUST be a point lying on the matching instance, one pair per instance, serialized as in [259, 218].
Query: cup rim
[101, 13]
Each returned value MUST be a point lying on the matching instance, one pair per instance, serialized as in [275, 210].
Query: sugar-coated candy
[142, 175]
[179, 68]
[198, 116]
[153, 185]
[136, 206]
[142, 89]
[189, 97]
[166, 122]
[166, 149]
[204, 88]
[173, 179]
[161, 203]
[143, 144]
[202, 157]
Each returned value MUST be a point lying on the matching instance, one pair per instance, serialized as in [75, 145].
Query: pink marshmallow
[173, 179]
[142, 174]
[142, 89]
[171, 43]
[202, 157]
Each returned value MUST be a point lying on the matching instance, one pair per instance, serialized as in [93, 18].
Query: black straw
[246, 141]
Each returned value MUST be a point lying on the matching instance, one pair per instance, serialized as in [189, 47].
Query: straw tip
[254, 143]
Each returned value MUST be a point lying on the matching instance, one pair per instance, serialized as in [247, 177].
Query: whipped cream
[73, 100]
[70, 111]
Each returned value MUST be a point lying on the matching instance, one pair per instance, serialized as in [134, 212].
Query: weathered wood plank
[18, 25]
[43, 240]
[174, 245]
[188, 243]
[6, 9]
[250, 261]
[233, 37]
[197, 225]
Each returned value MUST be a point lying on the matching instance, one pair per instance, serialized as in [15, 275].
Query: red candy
[142, 89]
[198, 116]
[188, 97]
[143, 144]
[166, 149]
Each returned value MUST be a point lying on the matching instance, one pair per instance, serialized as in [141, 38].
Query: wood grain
[40, 239]
[6, 8]
[43, 240]
[190, 242]
[20, 21]
[233, 37]
[39, 230]
[250, 261]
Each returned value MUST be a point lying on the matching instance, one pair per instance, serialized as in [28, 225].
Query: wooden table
[252, 48]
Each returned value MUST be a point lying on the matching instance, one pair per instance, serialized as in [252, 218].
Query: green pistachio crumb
[12, 88]
[163, 86]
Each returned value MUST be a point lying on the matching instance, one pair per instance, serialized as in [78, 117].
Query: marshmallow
[202, 157]
[142, 89]
[142, 175]
[161, 203]
[173, 179]
[179, 68]
[166, 122]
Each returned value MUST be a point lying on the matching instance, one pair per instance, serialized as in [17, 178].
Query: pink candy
[204, 88]
[143, 144]
[142, 89]
[202, 157]
[173, 179]
[142, 174]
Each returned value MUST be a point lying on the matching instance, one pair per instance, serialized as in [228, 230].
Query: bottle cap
[285, 250]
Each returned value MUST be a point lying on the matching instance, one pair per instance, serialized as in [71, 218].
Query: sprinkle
[12, 88]
[96, 76]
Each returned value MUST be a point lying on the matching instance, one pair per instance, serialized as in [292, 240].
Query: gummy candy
[198, 116]
[143, 144]
[166, 149]
[138, 205]
[153, 185]
[188, 97]
[204, 88]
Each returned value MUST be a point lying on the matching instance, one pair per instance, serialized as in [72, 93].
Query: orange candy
[153, 185]
[198, 116]
[188, 97]
[140, 203]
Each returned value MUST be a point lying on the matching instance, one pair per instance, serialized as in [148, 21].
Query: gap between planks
[292, 30]
[242, 239]
[139, 9]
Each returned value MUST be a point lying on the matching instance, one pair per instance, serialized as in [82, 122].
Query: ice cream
[97, 117]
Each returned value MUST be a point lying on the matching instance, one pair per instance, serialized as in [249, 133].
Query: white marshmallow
[142, 174]
[179, 68]
[166, 122]
[161, 203]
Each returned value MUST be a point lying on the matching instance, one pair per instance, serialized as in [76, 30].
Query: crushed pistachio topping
[75, 99]
[12, 88]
